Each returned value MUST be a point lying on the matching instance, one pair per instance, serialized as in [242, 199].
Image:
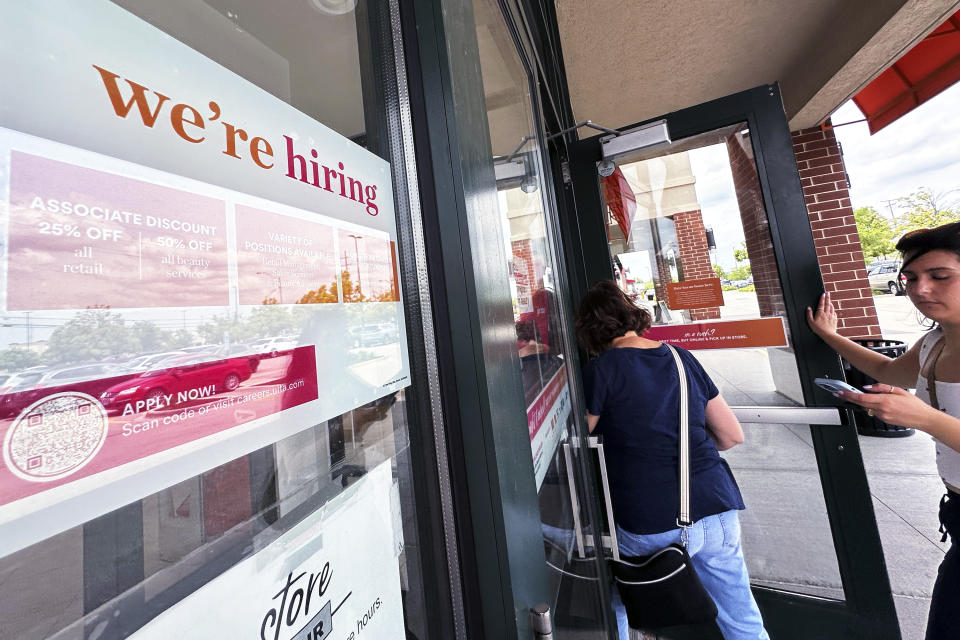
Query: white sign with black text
[335, 575]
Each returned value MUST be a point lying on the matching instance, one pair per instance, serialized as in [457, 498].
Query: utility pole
[356, 251]
[889, 204]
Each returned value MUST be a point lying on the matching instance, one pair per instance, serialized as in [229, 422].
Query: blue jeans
[714, 547]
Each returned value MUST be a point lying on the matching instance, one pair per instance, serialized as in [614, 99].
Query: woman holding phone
[931, 264]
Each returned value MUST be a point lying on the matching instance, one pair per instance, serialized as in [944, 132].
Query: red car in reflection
[180, 379]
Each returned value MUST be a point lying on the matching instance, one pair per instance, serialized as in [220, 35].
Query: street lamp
[279, 284]
[356, 250]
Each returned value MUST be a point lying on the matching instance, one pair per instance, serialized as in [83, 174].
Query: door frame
[868, 610]
[495, 503]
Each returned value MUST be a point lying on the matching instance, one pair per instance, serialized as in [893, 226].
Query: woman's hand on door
[823, 321]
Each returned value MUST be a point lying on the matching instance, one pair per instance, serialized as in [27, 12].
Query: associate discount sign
[84, 238]
[189, 207]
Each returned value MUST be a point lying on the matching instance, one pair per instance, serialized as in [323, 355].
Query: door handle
[574, 503]
[790, 415]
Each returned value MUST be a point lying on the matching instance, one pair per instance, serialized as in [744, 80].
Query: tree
[740, 272]
[351, 292]
[150, 337]
[740, 253]
[268, 321]
[215, 330]
[324, 293]
[180, 338]
[17, 359]
[876, 234]
[926, 209]
[92, 335]
[720, 271]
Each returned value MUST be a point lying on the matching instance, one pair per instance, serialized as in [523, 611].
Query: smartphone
[833, 386]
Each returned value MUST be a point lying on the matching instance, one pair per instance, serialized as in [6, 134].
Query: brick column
[695, 256]
[756, 227]
[523, 265]
[824, 180]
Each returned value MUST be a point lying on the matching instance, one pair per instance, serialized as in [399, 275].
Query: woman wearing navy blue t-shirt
[632, 393]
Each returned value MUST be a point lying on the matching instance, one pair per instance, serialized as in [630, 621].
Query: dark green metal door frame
[868, 611]
[496, 506]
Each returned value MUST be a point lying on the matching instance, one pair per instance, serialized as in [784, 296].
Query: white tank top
[948, 396]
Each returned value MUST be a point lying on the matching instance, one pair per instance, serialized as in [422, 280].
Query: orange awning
[931, 66]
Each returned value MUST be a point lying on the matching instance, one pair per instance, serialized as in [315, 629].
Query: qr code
[55, 437]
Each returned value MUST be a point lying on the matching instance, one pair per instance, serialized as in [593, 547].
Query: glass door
[572, 577]
[704, 232]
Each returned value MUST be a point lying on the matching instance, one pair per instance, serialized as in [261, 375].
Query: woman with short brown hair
[633, 393]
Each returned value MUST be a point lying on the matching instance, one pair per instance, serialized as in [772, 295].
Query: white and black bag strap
[683, 515]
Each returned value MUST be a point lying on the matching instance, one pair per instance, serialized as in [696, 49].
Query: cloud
[718, 199]
[918, 150]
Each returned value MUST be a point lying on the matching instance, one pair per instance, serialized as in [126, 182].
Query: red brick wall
[522, 250]
[695, 256]
[664, 276]
[824, 180]
[756, 227]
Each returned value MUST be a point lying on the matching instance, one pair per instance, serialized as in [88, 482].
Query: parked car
[885, 276]
[272, 347]
[199, 348]
[177, 377]
[150, 361]
[29, 386]
[237, 349]
[371, 335]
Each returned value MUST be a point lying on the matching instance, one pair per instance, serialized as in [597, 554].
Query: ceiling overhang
[628, 61]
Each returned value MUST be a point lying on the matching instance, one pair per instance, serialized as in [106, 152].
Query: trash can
[871, 425]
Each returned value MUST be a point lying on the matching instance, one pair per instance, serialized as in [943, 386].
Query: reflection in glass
[542, 345]
[694, 213]
[144, 335]
[200, 527]
[695, 216]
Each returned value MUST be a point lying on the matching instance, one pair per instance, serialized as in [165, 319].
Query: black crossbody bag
[663, 589]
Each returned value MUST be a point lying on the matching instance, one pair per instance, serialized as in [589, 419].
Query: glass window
[202, 263]
[690, 238]
[527, 220]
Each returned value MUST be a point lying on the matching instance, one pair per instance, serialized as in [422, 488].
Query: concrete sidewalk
[786, 534]
[787, 538]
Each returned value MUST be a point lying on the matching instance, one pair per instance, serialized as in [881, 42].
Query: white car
[885, 276]
[144, 363]
[273, 346]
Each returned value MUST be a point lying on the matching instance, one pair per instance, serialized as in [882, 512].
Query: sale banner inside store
[723, 334]
[193, 269]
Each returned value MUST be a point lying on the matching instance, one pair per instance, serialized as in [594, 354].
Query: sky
[718, 200]
[921, 149]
